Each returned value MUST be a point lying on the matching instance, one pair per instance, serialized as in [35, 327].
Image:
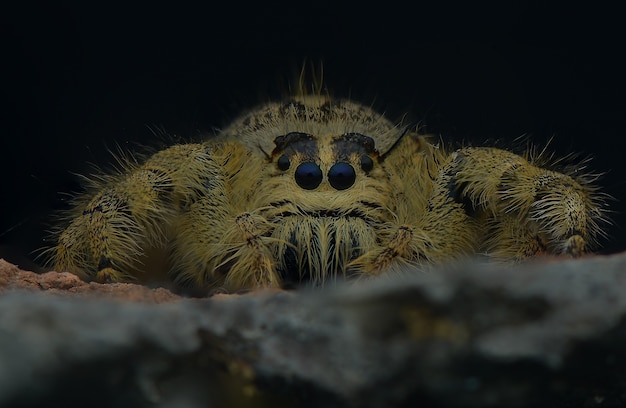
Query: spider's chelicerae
[313, 188]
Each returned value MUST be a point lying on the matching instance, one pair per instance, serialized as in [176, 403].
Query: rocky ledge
[550, 333]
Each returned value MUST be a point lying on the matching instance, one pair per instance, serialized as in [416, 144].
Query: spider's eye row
[366, 163]
[308, 175]
[283, 162]
[341, 175]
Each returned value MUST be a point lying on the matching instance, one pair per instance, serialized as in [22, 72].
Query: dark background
[81, 79]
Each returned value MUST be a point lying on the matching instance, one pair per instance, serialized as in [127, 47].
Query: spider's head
[315, 115]
[324, 155]
[327, 176]
[334, 160]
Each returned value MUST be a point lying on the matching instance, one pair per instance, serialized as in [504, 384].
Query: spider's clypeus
[314, 188]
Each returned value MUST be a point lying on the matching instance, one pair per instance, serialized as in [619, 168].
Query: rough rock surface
[63, 283]
[546, 334]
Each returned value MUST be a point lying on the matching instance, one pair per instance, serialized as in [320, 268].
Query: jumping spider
[315, 188]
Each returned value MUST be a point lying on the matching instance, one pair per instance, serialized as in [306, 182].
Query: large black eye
[308, 175]
[341, 176]
[283, 162]
[366, 163]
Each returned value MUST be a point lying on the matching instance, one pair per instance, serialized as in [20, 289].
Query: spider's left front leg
[429, 226]
[527, 210]
[442, 233]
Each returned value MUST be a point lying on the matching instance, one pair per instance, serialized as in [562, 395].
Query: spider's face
[327, 175]
[327, 162]
[328, 196]
[323, 157]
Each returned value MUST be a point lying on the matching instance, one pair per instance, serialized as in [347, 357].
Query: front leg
[439, 231]
[528, 210]
[253, 264]
[430, 224]
[131, 213]
[217, 241]
[443, 234]
[217, 249]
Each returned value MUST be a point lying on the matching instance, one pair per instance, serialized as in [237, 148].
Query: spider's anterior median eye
[308, 175]
[341, 175]
[283, 162]
[366, 163]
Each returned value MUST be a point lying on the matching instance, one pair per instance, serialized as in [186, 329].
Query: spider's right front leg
[218, 239]
[254, 264]
[132, 212]
[232, 251]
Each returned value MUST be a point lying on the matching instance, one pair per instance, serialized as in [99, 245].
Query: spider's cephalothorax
[315, 188]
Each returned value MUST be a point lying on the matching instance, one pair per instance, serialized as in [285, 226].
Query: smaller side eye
[367, 163]
[283, 162]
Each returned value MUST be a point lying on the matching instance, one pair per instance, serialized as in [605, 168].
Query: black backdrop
[81, 79]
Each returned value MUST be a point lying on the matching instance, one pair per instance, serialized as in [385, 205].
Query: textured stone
[543, 334]
[63, 283]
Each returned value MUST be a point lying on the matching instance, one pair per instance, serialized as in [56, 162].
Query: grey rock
[473, 335]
